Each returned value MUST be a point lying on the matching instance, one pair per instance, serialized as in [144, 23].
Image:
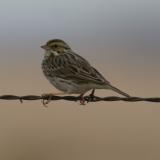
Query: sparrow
[71, 73]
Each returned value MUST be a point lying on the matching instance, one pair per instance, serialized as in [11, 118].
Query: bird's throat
[55, 53]
[51, 53]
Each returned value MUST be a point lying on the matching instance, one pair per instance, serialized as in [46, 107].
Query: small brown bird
[71, 73]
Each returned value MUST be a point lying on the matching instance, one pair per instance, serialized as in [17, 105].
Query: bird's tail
[118, 91]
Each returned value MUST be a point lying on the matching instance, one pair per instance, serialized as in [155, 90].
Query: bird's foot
[91, 97]
[81, 99]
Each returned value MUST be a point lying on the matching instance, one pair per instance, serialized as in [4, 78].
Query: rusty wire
[74, 98]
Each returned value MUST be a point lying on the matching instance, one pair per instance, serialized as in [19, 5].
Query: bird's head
[56, 47]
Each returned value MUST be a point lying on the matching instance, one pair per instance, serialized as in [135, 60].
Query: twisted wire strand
[74, 98]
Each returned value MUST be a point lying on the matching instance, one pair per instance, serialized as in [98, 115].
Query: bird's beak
[44, 47]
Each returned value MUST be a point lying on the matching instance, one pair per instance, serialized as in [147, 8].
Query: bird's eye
[55, 46]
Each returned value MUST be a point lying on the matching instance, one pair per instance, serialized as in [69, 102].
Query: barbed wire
[75, 98]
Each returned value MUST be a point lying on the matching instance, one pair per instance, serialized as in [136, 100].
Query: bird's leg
[92, 93]
[91, 96]
[82, 100]
[49, 95]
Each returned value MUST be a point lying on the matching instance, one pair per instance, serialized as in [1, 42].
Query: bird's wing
[75, 68]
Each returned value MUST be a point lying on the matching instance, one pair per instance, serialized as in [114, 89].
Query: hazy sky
[125, 21]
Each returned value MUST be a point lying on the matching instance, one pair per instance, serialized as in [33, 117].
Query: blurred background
[121, 38]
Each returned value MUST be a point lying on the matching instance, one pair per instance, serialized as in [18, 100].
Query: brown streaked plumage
[71, 73]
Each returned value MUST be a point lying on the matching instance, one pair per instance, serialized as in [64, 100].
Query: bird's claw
[90, 98]
[81, 99]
